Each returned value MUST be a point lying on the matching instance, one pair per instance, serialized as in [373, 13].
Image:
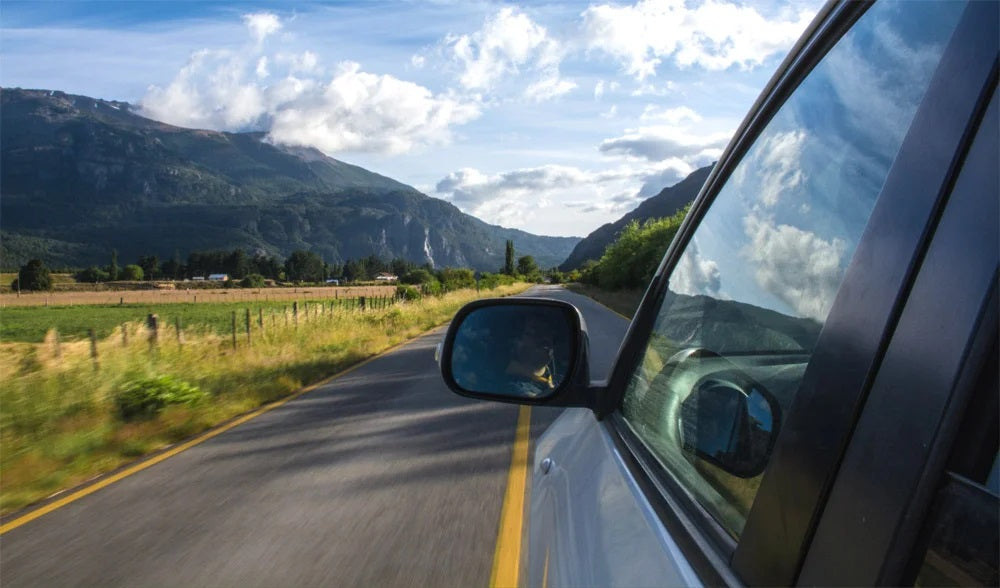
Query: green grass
[29, 324]
[58, 419]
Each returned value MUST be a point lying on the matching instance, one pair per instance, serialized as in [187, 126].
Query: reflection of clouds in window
[780, 158]
[880, 80]
[695, 275]
[798, 267]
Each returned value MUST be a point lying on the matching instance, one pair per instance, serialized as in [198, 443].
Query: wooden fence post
[249, 344]
[361, 303]
[153, 322]
[93, 348]
[260, 318]
[295, 312]
[234, 329]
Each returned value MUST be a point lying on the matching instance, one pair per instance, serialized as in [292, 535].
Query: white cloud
[509, 44]
[657, 143]
[418, 61]
[601, 87]
[360, 111]
[712, 35]
[548, 88]
[352, 110]
[262, 24]
[780, 159]
[796, 266]
[672, 116]
[694, 275]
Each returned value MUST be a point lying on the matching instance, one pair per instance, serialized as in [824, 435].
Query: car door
[782, 291]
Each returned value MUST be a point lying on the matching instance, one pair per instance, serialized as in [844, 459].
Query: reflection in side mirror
[729, 425]
[513, 351]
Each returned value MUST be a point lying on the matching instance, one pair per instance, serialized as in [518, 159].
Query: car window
[753, 286]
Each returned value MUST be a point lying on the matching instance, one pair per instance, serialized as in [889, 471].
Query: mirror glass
[729, 426]
[519, 351]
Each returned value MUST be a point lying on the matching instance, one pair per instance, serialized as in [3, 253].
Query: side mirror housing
[519, 350]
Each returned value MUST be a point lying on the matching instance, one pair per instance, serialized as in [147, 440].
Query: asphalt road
[379, 478]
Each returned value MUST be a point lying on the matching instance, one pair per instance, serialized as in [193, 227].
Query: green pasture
[29, 324]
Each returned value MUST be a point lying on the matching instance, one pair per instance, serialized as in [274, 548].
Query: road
[381, 477]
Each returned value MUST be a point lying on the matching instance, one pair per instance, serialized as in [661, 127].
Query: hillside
[82, 176]
[664, 204]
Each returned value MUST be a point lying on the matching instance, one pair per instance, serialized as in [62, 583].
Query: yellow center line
[507, 558]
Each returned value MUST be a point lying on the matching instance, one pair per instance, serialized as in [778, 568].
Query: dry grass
[57, 421]
[200, 295]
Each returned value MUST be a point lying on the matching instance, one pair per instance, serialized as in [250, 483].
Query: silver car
[808, 391]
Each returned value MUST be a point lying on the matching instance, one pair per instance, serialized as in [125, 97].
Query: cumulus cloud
[510, 43]
[780, 158]
[349, 110]
[713, 35]
[656, 143]
[672, 116]
[797, 266]
[694, 275]
[262, 24]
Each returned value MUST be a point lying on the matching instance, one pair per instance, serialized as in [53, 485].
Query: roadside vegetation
[72, 409]
[619, 279]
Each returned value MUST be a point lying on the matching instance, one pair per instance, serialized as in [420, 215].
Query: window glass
[754, 285]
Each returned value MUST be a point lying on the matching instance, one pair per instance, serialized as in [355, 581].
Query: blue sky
[552, 117]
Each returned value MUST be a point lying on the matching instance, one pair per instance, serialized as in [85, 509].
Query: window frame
[779, 527]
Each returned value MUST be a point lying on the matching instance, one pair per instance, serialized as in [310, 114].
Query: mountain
[82, 176]
[666, 203]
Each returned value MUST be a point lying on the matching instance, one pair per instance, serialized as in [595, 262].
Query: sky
[551, 117]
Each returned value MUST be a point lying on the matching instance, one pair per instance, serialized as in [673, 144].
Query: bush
[91, 275]
[131, 273]
[253, 281]
[631, 260]
[457, 278]
[408, 293]
[33, 276]
[418, 276]
[490, 281]
[145, 398]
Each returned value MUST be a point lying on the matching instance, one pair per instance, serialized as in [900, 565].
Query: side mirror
[730, 421]
[520, 350]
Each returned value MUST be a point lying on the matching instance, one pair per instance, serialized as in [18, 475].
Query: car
[807, 393]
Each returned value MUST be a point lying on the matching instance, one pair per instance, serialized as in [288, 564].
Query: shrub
[457, 278]
[147, 397]
[490, 281]
[33, 276]
[92, 275]
[132, 273]
[631, 261]
[408, 293]
[253, 281]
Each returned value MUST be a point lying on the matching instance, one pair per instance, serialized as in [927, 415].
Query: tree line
[254, 270]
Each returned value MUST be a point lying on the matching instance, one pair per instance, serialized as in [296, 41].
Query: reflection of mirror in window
[756, 281]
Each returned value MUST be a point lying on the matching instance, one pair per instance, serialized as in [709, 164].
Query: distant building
[384, 277]
[333, 282]
[198, 279]
[218, 277]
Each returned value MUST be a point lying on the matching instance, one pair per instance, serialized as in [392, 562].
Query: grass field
[59, 424]
[30, 324]
[152, 295]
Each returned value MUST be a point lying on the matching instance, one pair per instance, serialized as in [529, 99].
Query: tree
[33, 276]
[253, 281]
[527, 267]
[150, 265]
[508, 263]
[304, 266]
[173, 269]
[456, 278]
[132, 273]
[113, 268]
[92, 275]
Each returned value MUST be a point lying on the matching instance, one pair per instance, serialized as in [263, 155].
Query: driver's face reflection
[533, 346]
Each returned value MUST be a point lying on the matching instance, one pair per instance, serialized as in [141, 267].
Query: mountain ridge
[666, 203]
[82, 176]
